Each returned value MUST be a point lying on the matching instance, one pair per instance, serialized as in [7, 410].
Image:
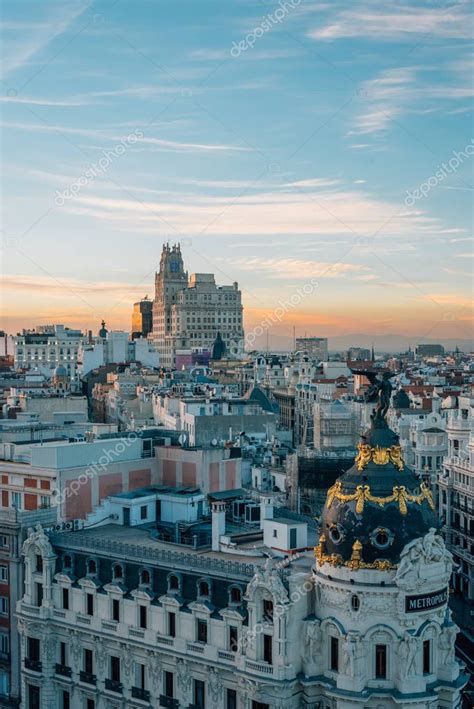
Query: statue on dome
[379, 392]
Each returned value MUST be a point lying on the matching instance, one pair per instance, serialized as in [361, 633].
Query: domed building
[60, 380]
[381, 579]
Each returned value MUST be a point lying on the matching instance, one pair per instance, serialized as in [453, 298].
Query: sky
[320, 154]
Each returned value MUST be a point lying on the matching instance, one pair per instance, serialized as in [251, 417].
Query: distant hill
[382, 343]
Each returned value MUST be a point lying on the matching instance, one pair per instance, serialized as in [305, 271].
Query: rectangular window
[202, 631]
[66, 599]
[62, 654]
[231, 699]
[3, 540]
[199, 693]
[90, 704]
[16, 500]
[380, 661]
[33, 648]
[267, 648]
[268, 610]
[66, 703]
[143, 512]
[169, 684]
[39, 593]
[426, 657]
[142, 616]
[233, 638]
[39, 563]
[140, 675]
[3, 573]
[3, 605]
[90, 603]
[116, 609]
[88, 661]
[334, 652]
[115, 668]
[172, 625]
[34, 697]
[4, 643]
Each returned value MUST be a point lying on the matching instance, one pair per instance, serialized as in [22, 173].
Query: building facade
[47, 347]
[142, 318]
[188, 313]
[456, 495]
[316, 347]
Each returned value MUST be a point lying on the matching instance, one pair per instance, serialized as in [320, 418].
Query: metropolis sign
[425, 601]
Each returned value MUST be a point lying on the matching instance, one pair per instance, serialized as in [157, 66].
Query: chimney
[266, 509]
[218, 523]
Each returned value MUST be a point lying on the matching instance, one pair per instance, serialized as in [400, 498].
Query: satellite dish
[214, 442]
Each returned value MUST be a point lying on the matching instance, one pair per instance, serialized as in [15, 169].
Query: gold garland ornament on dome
[362, 495]
[380, 456]
[355, 562]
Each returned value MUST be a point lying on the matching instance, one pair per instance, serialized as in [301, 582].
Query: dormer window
[203, 589]
[91, 567]
[173, 583]
[235, 595]
[67, 562]
[117, 572]
[144, 577]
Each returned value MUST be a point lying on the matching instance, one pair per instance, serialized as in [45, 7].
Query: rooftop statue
[379, 391]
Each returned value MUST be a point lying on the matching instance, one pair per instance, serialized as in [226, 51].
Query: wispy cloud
[22, 41]
[385, 22]
[298, 269]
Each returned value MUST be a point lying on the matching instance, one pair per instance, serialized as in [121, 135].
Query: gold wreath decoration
[355, 562]
[362, 494]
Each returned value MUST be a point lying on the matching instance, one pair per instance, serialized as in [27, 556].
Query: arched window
[91, 567]
[203, 589]
[67, 562]
[173, 583]
[117, 571]
[235, 595]
[144, 577]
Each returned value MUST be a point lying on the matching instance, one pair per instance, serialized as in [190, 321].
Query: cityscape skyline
[272, 140]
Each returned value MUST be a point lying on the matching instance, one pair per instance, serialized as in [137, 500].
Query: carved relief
[268, 578]
[417, 553]
[407, 651]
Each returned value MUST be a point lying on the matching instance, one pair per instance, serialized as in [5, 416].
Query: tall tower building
[189, 313]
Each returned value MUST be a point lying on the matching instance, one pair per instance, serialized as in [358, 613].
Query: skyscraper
[189, 312]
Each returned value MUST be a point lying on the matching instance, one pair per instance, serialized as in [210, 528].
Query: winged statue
[379, 392]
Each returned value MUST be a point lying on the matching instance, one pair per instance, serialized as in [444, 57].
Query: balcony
[114, 686]
[168, 702]
[226, 655]
[87, 677]
[143, 694]
[262, 667]
[196, 647]
[34, 665]
[63, 670]
[164, 640]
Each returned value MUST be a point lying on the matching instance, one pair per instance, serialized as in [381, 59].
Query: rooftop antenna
[294, 338]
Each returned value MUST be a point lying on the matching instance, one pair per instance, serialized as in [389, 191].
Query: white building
[189, 313]
[316, 347]
[456, 495]
[112, 616]
[47, 347]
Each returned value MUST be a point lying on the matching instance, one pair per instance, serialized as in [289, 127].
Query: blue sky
[279, 142]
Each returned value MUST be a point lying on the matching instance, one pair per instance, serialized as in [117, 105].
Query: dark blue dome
[376, 507]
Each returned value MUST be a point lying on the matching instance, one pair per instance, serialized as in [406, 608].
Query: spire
[373, 353]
